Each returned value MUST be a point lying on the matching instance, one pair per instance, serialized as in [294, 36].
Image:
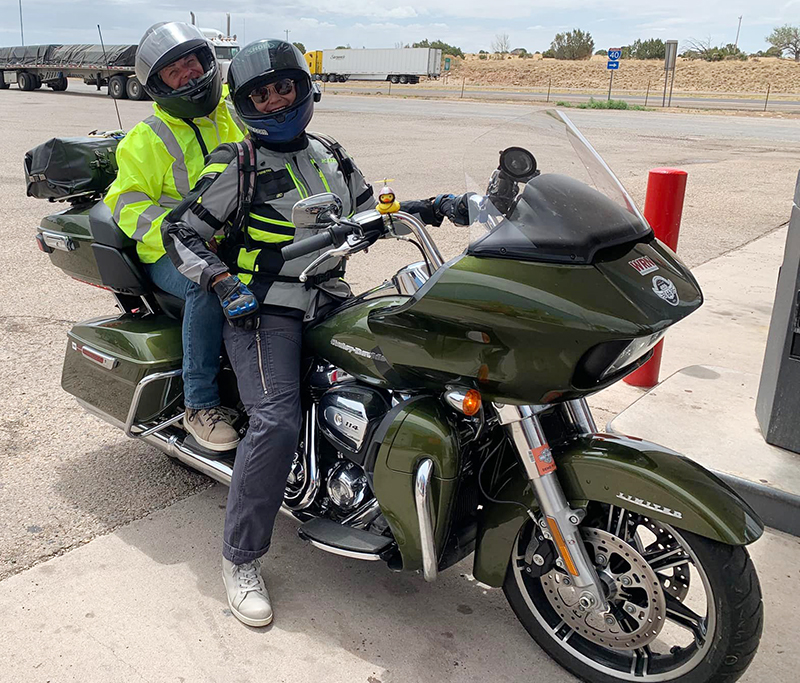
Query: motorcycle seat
[120, 269]
[105, 229]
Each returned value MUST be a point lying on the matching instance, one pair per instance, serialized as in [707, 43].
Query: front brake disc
[635, 596]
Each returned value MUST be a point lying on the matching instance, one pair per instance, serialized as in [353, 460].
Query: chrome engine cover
[349, 414]
[347, 485]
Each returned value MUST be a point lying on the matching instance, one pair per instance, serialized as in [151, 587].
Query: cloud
[310, 22]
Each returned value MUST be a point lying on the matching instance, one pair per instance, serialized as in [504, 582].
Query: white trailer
[404, 65]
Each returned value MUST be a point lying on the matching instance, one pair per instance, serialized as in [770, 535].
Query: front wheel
[681, 607]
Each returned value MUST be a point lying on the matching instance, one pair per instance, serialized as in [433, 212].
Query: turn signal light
[467, 402]
[471, 403]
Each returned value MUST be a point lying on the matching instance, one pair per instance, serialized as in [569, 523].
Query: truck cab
[225, 49]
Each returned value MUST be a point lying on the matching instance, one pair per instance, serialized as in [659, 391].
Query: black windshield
[559, 219]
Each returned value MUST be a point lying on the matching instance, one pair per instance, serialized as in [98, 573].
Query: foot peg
[343, 540]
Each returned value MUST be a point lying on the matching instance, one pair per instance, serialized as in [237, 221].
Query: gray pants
[267, 366]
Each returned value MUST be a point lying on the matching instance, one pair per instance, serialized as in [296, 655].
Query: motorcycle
[445, 410]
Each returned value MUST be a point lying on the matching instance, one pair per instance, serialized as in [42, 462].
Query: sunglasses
[282, 88]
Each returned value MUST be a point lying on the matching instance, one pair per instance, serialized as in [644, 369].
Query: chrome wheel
[662, 618]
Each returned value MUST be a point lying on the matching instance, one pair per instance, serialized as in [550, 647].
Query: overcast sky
[469, 24]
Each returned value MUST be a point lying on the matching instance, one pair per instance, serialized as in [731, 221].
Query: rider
[261, 294]
[159, 161]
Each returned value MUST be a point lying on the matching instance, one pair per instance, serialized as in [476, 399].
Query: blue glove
[239, 304]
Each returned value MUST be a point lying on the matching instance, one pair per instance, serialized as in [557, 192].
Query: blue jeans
[203, 321]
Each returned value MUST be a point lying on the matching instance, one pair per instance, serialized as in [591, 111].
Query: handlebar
[325, 238]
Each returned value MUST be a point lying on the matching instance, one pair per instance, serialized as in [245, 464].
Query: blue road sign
[614, 54]
[613, 64]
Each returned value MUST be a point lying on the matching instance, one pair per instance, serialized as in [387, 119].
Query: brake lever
[342, 250]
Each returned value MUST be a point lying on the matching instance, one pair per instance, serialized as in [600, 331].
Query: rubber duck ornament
[387, 202]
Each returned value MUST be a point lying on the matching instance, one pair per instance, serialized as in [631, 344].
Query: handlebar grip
[325, 238]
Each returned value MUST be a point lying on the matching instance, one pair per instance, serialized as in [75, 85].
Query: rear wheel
[116, 87]
[682, 607]
[395, 79]
[325, 78]
[404, 79]
[26, 81]
[59, 85]
[135, 90]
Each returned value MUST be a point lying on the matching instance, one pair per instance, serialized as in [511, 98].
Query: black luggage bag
[63, 167]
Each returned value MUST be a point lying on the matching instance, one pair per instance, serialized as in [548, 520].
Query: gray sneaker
[210, 428]
[247, 594]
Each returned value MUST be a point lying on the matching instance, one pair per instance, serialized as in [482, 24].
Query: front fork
[560, 523]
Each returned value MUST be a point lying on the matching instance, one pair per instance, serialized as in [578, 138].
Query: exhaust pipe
[173, 445]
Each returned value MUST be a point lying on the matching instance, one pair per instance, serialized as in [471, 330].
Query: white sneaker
[211, 429]
[247, 594]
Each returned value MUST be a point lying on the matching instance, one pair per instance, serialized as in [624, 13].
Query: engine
[348, 416]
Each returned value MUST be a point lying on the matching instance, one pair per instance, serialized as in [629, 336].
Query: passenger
[159, 161]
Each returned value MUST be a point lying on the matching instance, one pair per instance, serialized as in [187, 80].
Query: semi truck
[402, 65]
[33, 66]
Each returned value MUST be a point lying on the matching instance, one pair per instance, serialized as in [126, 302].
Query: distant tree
[769, 52]
[707, 51]
[501, 44]
[653, 48]
[483, 55]
[439, 45]
[786, 39]
[549, 54]
[519, 51]
[343, 47]
[602, 53]
[300, 47]
[574, 44]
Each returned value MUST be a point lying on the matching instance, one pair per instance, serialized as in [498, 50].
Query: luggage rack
[168, 377]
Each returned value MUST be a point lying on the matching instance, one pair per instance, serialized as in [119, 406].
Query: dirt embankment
[752, 76]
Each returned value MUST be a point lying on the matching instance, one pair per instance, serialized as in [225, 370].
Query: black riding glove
[455, 208]
[239, 304]
[434, 210]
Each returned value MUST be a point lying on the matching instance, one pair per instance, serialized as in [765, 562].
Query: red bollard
[663, 207]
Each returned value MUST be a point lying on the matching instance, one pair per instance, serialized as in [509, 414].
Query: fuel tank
[346, 340]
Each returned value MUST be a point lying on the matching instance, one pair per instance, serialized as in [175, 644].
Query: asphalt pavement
[146, 579]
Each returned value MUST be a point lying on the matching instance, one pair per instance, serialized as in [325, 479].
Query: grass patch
[562, 103]
[609, 104]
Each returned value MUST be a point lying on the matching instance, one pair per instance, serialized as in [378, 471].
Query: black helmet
[164, 43]
[262, 63]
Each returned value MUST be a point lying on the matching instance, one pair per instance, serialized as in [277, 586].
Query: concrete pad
[146, 603]
[708, 414]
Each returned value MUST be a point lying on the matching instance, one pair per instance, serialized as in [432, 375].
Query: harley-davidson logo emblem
[664, 289]
[643, 265]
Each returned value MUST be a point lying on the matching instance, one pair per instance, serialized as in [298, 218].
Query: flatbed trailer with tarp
[32, 66]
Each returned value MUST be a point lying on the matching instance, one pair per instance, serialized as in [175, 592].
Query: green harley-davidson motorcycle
[446, 415]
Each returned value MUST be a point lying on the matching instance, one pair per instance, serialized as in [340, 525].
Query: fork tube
[561, 521]
[578, 410]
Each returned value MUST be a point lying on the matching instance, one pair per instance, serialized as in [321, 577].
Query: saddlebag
[108, 358]
[65, 167]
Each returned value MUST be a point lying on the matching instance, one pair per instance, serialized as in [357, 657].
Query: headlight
[603, 362]
[633, 352]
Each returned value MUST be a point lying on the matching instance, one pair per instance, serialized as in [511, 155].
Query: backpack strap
[248, 167]
[345, 162]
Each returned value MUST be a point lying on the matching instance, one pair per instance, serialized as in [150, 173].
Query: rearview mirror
[317, 211]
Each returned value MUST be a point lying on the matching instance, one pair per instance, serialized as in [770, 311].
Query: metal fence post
[463, 83]
[647, 95]
[549, 83]
[766, 101]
